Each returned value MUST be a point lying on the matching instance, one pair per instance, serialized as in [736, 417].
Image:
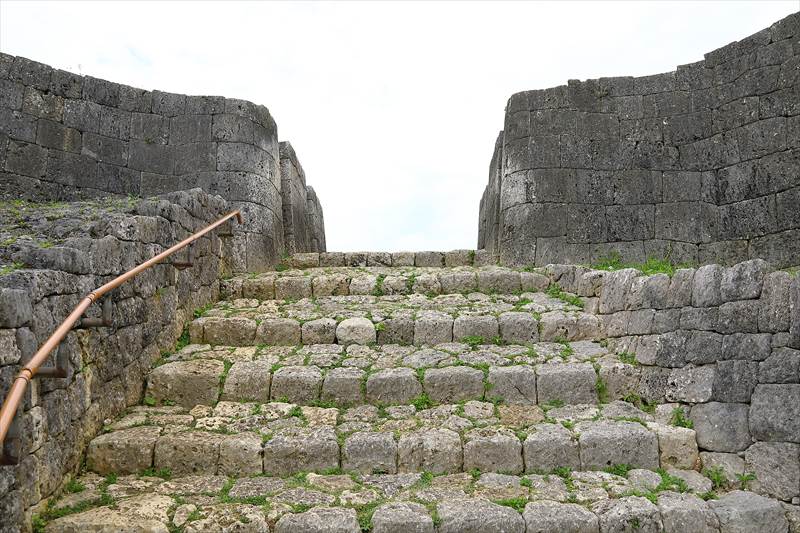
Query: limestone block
[234, 331]
[330, 285]
[188, 452]
[343, 386]
[691, 384]
[262, 288]
[493, 450]
[429, 259]
[398, 330]
[433, 450]
[775, 413]
[618, 515]
[427, 284]
[518, 328]
[743, 281]
[706, 291]
[355, 331]
[783, 366]
[319, 331]
[331, 259]
[550, 446]
[370, 452]
[484, 326]
[745, 511]
[571, 383]
[293, 288]
[776, 466]
[478, 516]
[401, 517]
[499, 281]
[301, 450]
[515, 385]
[721, 427]
[296, 384]
[734, 381]
[304, 260]
[319, 520]
[278, 332]
[379, 259]
[433, 327]
[363, 284]
[187, 383]
[606, 443]
[677, 446]
[545, 515]
[127, 451]
[453, 384]
[248, 381]
[400, 259]
[240, 455]
[393, 386]
[686, 512]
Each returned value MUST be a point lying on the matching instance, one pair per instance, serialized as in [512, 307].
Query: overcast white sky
[393, 108]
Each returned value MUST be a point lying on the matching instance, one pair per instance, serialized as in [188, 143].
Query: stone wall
[70, 249]
[67, 137]
[723, 343]
[303, 229]
[701, 164]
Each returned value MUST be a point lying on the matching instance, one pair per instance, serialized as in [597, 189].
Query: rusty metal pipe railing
[29, 370]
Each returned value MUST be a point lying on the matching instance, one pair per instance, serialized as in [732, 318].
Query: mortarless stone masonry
[80, 246]
[702, 163]
[66, 137]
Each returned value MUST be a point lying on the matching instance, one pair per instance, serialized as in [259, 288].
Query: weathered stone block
[493, 450]
[607, 443]
[484, 326]
[248, 381]
[571, 383]
[343, 386]
[620, 514]
[320, 331]
[721, 427]
[187, 383]
[278, 332]
[297, 384]
[429, 259]
[301, 450]
[355, 331]
[776, 466]
[745, 511]
[548, 515]
[477, 516]
[691, 384]
[453, 384]
[499, 281]
[433, 327]
[550, 446]
[292, 288]
[393, 386]
[775, 413]
[513, 384]
[402, 517]
[370, 452]
[188, 452]
[518, 328]
[240, 455]
[686, 512]
[433, 450]
[127, 451]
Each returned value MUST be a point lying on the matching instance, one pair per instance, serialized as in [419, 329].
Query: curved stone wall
[67, 137]
[701, 164]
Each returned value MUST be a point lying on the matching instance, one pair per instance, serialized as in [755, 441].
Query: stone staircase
[342, 394]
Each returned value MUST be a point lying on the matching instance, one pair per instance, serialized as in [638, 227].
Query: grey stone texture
[70, 137]
[699, 164]
[59, 417]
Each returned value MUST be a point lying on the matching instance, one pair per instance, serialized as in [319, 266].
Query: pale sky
[392, 108]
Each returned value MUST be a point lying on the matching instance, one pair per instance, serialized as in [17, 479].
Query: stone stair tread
[475, 501]
[568, 372]
[236, 438]
[411, 319]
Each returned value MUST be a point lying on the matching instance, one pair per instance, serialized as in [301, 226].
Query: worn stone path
[455, 398]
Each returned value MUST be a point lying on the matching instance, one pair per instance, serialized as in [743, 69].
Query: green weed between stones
[679, 419]
[651, 266]
[554, 291]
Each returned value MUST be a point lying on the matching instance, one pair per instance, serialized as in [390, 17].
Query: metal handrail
[29, 370]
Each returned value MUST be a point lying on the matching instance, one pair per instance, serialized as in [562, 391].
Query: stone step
[390, 374]
[282, 439]
[628, 500]
[413, 319]
[382, 280]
